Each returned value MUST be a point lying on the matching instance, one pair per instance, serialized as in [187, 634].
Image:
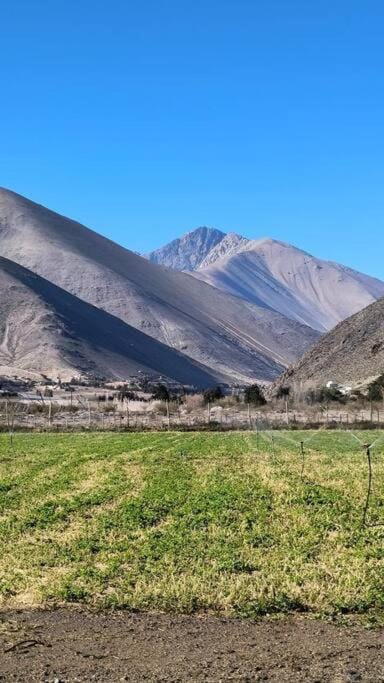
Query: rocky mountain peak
[230, 244]
[187, 252]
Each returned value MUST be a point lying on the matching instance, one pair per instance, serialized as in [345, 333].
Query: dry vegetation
[98, 409]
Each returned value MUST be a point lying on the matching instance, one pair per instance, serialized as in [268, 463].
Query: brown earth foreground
[67, 645]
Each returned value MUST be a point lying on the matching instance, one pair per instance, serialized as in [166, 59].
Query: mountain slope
[46, 330]
[232, 337]
[286, 279]
[352, 353]
[230, 244]
[187, 252]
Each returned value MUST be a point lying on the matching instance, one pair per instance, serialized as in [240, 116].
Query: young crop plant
[199, 521]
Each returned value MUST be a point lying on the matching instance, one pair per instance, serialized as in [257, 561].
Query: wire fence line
[49, 415]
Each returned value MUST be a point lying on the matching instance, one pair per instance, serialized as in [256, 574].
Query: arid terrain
[273, 274]
[351, 353]
[230, 337]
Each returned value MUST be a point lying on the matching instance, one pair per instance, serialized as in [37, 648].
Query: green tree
[161, 393]
[283, 392]
[212, 395]
[375, 391]
[253, 394]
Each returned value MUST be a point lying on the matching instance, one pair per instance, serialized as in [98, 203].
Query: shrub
[325, 395]
[193, 403]
[108, 408]
[127, 394]
[160, 408]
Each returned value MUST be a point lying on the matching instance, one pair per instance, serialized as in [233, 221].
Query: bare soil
[67, 645]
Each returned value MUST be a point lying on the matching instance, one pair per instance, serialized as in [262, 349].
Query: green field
[221, 522]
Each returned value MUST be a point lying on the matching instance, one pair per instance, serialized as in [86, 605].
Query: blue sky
[146, 119]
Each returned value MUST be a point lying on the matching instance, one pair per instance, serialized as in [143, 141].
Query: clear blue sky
[146, 118]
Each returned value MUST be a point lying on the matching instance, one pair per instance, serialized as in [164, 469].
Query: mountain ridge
[47, 330]
[278, 276]
[292, 281]
[217, 330]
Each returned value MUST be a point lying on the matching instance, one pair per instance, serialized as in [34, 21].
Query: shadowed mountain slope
[230, 336]
[44, 329]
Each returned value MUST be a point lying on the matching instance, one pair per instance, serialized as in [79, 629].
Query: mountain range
[229, 338]
[277, 276]
[209, 307]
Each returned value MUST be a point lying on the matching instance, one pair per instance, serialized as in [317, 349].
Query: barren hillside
[352, 353]
[45, 330]
[220, 331]
[286, 279]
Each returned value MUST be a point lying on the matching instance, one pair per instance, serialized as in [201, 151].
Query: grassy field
[185, 522]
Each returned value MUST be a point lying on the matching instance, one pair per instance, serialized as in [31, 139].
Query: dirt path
[68, 645]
